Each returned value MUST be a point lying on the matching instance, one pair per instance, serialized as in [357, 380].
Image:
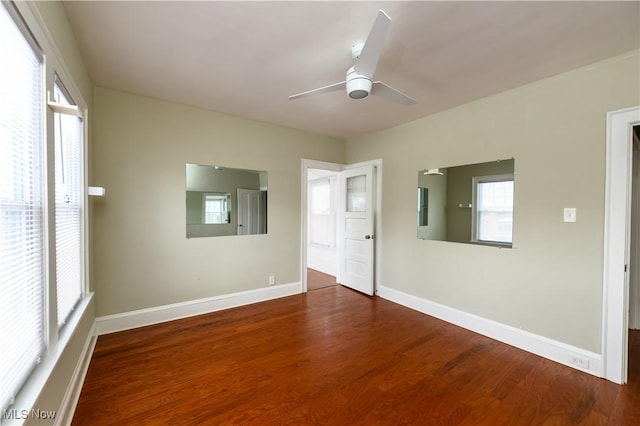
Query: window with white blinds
[22, 251]
[69, 201]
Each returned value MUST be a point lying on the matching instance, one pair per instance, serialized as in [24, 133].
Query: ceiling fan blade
[326, 89]
[368, 59]
[387, 92]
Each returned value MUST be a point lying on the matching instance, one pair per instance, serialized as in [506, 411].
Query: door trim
[336, 167]
[615, 297]
[634, 237]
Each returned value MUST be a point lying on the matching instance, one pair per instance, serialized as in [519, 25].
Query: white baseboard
[140, 318]
[589, 362]
[72, 394]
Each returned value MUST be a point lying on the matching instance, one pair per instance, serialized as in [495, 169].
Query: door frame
[615, 298]
[307, 164]
[634, 235]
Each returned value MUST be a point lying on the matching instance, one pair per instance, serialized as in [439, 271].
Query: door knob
[368, 237]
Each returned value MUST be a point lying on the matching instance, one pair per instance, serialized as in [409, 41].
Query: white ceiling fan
[359, 82]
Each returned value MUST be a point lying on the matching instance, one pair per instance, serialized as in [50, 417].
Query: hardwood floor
[336, 357]
[317, 279]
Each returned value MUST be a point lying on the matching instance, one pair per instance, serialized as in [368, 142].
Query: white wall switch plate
[570, 214]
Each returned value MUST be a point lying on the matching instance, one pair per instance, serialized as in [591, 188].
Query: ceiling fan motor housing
[359, 81]
[358, 86]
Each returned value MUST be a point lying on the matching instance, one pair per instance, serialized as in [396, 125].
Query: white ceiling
[246, 58]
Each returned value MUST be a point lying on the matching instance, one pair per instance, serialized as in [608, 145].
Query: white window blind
[22, 252]
[69, 206]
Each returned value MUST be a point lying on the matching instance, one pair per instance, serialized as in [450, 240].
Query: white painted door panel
[251, 212]
[356, 233]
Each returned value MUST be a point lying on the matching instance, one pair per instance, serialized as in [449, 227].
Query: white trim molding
[72, 395]
[158, 314]
[617, 208]
[581, 359]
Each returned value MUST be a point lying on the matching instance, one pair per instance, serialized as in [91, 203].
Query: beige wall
[550, 283]
[142, 256]
[56, 21]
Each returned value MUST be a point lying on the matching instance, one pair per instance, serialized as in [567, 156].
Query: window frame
[26, 201]
[28, 18]
[475, 181]
[67, 109]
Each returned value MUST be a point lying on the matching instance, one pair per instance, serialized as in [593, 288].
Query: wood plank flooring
[317, 279]
[336, 357]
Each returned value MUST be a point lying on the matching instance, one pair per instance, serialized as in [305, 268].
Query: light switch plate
[570, 214]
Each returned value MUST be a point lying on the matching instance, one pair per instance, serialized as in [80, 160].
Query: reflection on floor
[317, 279]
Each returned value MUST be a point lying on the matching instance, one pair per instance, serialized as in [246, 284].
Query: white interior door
[251, 208]
[356, 229]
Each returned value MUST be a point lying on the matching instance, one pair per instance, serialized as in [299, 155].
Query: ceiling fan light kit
[359, 81]
[358, 86]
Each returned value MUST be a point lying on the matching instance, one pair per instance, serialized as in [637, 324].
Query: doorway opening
[322, 216]
[340, 212]
[617, 243]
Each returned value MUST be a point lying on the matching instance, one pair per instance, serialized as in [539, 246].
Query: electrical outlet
[272, 279]
[579, 362]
